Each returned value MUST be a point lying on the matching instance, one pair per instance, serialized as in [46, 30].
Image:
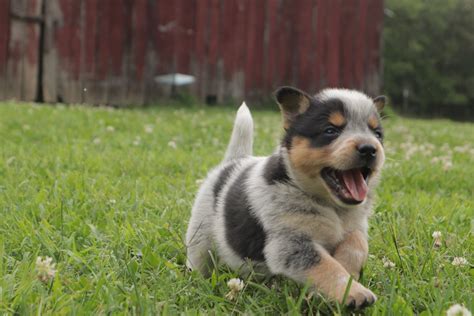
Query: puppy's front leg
[352, 252]
[298, 257]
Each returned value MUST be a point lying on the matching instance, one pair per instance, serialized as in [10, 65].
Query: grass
[107, 194]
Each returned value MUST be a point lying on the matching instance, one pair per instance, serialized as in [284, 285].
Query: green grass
[92, 187]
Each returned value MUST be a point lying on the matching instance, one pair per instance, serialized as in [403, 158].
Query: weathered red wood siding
[19, 48]
[109, 51]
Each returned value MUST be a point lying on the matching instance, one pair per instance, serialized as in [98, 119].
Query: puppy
[301, 212]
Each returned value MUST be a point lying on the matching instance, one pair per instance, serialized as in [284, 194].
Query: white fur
[241, 140]
[351, 98]
[199, 240]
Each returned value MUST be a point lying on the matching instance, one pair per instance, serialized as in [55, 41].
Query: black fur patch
[275, 170]
[223, 177]
[312, 123]
[299, 253]
[243, 231]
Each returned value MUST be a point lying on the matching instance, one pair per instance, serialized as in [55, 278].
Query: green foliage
[107, 194]
[428, 50]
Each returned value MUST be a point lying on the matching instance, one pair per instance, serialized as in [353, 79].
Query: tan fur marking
[289, 113]
[373, 122]
[304, 104]
[306, 159]
[343, 154]
[352, 252]
[331, 279]
[379, 103]
[337, 119]
[286, 120]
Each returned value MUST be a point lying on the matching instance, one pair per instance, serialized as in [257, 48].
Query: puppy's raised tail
[241, 141]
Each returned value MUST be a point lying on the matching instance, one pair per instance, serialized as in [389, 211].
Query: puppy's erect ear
[380, 102]
[292, 102]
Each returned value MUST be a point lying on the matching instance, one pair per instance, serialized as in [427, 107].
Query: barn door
[20, 60]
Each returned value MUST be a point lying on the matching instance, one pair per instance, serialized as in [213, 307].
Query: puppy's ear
[380, 102]
[292, 102]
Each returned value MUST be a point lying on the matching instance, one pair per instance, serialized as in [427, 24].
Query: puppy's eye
[378, 134]
[331, 131]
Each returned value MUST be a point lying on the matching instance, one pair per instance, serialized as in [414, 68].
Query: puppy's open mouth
[350, 186]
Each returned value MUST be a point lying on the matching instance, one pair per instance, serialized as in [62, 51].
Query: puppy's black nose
[367, 151]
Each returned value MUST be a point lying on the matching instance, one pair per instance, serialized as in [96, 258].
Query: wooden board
[4, 40]
[19, 49]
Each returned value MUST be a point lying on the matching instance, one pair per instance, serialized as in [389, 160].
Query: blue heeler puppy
[303, 211]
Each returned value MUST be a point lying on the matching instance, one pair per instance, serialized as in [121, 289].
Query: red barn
[109, 51]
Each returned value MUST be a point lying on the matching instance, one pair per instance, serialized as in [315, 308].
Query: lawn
[107, 194]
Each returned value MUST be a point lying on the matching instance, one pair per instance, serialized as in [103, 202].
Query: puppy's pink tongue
[355, 183]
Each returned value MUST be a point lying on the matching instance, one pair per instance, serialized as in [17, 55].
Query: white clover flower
[112, 201]
[462, 149]
[235, 285]
[447, 158]
[387, 263]
[447, 165]
[96, 141]
[458, 310]
[437, 239]
[459, 262]
[45, 269]
[137, 141]
[410, 150]
[427, 152]
[110, 128]
[148, 129]
[172, 144]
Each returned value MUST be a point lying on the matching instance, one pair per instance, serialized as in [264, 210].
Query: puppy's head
[334, 142]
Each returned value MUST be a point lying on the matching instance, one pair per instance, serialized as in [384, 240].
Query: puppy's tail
[241, 141]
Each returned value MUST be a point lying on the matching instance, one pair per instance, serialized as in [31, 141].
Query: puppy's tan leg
[352, 252]
[331, 279]
[298, 257]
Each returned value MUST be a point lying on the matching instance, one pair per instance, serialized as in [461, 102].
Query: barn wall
[20, 22]
[109, 51]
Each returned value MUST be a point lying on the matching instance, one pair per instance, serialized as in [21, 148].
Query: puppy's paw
[359, 297]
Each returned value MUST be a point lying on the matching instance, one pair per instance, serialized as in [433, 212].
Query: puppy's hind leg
[199, 243]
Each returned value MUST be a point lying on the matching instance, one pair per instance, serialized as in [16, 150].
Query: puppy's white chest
[355, 220]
